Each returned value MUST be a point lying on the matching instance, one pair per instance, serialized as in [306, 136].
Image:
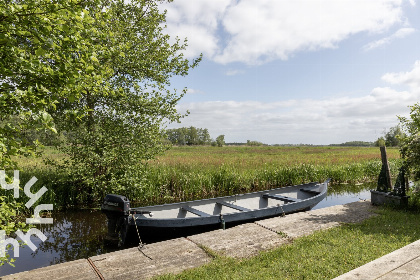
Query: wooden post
[385, 163]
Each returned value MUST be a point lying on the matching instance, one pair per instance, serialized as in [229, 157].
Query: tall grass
[187, 173]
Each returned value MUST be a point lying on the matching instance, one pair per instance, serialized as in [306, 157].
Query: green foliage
[380, 142]
[410, 141]
[410, 148]
[127, 105]
[98, 71]
[44, 54]
[10, 220]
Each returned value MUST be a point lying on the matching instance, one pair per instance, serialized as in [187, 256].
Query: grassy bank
[187, 173]
[323, 255]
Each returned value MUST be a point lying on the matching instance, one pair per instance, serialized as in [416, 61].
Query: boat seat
[281, 197]
[233, 206]
[195, 211]
[313, 191]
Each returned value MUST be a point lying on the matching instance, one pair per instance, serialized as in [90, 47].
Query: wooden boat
[179, 219]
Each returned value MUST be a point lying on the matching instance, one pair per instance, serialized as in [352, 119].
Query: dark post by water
[385, 166]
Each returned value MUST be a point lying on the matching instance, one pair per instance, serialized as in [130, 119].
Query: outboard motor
[116, 208]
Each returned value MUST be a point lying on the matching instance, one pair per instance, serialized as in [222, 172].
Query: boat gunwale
[223, 198]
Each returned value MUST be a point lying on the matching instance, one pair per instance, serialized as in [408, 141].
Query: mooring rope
[283, 214]
[141, 244]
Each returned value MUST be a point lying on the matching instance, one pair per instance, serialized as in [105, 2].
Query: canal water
[78, 235]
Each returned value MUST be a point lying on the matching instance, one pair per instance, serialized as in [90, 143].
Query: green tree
[129, 104]
[380, 142]
[220, 140]
[410, 141]
[181, 138]
[192, 136]
[393, 136]
[204, 137]
[45, 60]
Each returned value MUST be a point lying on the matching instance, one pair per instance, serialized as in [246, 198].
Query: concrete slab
[73, 270]
[408, 271]
[305, 223]
[241, 241]
[403, 263]
[172, 256]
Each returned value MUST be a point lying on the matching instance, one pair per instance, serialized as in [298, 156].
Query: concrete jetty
[173, 256]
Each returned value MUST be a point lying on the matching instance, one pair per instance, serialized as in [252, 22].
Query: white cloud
[194, 91]
[254, 32]
[198, 21]
[311, 121]
[411, 78]
[400, 33]
[234, 72]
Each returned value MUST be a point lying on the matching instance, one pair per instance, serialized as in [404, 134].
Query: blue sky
[291, 72]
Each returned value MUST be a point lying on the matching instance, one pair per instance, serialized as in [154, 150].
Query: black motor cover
[116, 208]
[115, 204]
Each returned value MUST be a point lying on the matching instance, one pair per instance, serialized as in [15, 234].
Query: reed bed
[188, 173]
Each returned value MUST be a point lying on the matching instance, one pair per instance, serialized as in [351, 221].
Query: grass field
[187, 173]
[251, 157]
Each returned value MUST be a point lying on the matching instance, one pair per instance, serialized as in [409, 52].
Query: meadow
[195, 172]
[198, 172]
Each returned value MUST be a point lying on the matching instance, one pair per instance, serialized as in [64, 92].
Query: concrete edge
[385, 264]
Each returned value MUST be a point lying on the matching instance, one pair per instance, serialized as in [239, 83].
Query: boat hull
[151, 234]
[160, 222]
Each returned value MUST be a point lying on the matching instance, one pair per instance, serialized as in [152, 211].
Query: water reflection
[77, 235]
[346, 193]
[74, 235]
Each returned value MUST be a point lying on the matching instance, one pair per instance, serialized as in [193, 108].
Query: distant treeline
[189, 136]
[193, 136]
[200, 136]
[355, 144]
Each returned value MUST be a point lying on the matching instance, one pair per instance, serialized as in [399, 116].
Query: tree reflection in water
[75, 235]
[346, 193]
[343, 189]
